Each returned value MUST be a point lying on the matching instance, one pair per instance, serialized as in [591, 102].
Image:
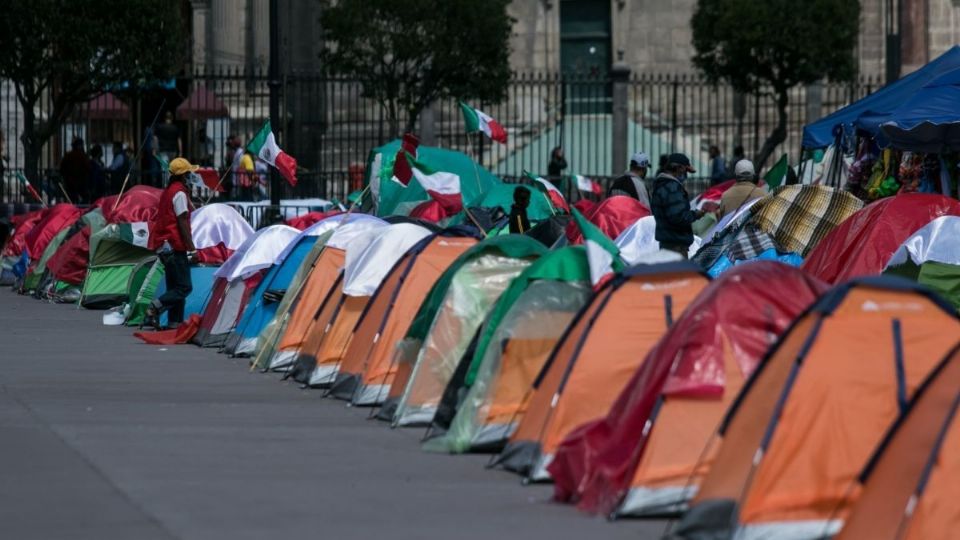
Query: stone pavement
[103, 437]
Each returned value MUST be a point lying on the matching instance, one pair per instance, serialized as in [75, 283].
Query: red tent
[103, 107]
[733, 321]
[58, 218]
[612, 216]
[139, 203]
[863, 244]
[69, 263]
[22, 225]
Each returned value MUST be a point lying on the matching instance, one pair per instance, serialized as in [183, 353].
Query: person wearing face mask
[670, 205]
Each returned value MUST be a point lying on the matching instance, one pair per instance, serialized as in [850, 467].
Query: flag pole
[31, 189]
[136, 158]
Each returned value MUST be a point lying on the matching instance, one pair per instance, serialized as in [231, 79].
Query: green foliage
[771, 46]
[77, 49]
[409, 53]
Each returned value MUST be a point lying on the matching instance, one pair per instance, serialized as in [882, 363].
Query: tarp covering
[261, 250]
[69, 263]
[612, 216]
[304, 221]
[734, 319]
[937, 241]
[823, 132]
[365, 269]
[358, 223]
[215, 224]
[864, 243]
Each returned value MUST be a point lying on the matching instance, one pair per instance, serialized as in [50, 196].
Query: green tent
[509, 350]
[479, 187]
[447, 320]
[142, 288]
[116, 251]
[944, 278]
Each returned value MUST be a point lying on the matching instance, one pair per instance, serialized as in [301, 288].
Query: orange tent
[368, 368]
[641, 457]
[910, 487]
[606, 343]
[810, 416]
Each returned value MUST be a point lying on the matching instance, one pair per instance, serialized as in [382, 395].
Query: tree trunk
[779, 133]
[32, 146]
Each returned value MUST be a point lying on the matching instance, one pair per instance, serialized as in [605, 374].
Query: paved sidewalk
[103, 437]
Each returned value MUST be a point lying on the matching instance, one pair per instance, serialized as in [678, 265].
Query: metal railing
[330, 126]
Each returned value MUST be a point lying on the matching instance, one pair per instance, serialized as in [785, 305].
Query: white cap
[640, 159]
[744, 169]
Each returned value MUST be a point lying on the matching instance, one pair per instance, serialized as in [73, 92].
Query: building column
[201, 33]
[620, 74]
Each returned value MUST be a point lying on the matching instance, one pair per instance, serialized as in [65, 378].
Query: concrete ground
[103, 437]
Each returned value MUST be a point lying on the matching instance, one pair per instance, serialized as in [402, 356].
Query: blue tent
[243, 339]
[929, 121]
[201, 278]
[823, 132]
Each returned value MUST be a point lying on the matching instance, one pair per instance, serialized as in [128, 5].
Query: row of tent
[752, 399]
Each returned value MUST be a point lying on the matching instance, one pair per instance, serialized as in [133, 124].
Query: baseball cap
[744, 169]
[682, 160]
[640, 159]
[180, 166]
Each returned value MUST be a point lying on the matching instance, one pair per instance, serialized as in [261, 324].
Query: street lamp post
[274, 84]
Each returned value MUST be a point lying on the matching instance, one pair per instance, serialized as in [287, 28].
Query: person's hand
[192, 256]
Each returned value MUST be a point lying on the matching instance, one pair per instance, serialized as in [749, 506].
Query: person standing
[742, 192]
[118, 168]
[632, 183]
[556, 166]
[670, 205]
[519, 222]
[718, 166]
[98, 176]
[169, 144]
[75, 170]
[172, 239]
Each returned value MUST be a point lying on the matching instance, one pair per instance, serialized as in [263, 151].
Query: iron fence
[330, 126]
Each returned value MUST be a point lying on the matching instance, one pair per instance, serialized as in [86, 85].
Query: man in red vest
[172, 239]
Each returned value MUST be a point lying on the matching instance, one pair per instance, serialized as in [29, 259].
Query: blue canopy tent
[929, 121]
[876, 106]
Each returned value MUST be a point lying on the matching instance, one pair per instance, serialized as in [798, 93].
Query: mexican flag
[136, 233]
[603, 256]
[552, 194]
[264, 146]
[586, 184]
[443, 187]
[479, 121]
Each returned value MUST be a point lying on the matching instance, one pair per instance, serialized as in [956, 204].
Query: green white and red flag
[553, 195]
[603, 255]
[443, 187]
[477, 120]
[29, 187]
[586, 184]
[264, 146]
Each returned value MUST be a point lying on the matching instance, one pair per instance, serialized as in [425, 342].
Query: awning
[202, 104]
[103, 107]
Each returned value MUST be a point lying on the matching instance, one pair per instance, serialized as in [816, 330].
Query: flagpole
[136, 158]
[30, 189]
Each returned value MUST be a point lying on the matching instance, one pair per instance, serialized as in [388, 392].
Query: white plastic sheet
[376, 253]
[638, 244]
[259, 251]
[215, 224]
[938, 241]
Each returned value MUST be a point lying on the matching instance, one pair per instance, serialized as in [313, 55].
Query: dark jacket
[670, 206]
[519, 222]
